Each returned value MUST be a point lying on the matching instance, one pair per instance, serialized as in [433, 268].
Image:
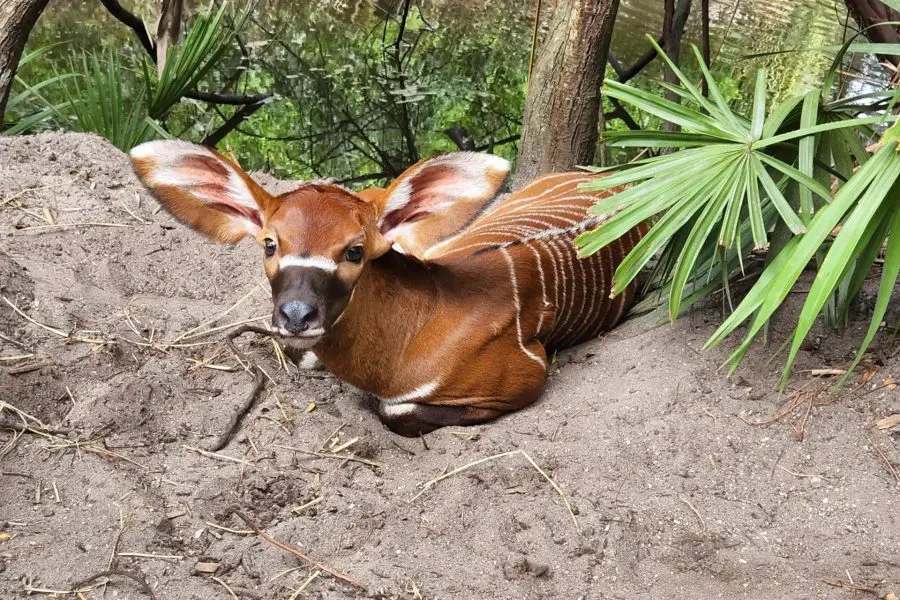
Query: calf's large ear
[202, 188]
[436, 198]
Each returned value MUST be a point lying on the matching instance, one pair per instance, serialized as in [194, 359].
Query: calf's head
[317, 239]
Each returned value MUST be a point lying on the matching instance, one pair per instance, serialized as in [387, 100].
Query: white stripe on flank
[312, 262]
[419, 393]
[549, 192]
[515, 291]
[544, 302]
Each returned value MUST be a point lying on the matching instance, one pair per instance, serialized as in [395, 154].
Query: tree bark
[867, 13]
[168, 28]
[562, 107]
[17, 17]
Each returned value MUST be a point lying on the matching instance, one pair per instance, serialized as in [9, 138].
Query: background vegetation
[765, 149]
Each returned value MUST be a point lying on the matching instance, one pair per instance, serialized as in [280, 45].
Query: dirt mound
[672, 492]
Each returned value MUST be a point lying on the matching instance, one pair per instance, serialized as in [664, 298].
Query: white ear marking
[470, 167]
[169, 156]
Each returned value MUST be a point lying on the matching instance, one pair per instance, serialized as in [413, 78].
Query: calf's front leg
[518, 385]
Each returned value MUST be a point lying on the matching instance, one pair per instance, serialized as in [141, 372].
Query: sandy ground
[673, 494]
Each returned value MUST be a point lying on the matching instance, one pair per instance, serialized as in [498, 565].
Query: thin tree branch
[239, 116]
[501, 142]
[625, 74]
[619, 112]
[228, 99]
[134, 22]
[461, 137]
[361, 178]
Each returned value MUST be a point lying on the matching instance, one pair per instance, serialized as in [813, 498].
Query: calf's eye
[354, 254]
[269, 246]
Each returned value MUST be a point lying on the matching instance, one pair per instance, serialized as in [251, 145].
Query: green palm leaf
[730, 182]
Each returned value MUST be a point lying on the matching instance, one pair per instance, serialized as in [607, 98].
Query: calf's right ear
[202, 188]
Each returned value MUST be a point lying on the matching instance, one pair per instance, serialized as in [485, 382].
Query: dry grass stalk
[345, 445]
[63, 334]
[331, 437]
[216, 455]
[224, 585]
[43, 228]
[28, 589]
[174, 557]
[344, 457]
[694, 509]
[132, 213]
[22, 192]
[323, 567]
[887, 461]
[16, 357]
[427, 485]
[219, 328]
[221, 315]
[304, 585]
[228, 529]
[304, 506]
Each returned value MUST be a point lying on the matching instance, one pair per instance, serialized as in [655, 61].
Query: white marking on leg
[419, 393]
[310, 362]
[518, 306]
[398, 410]
[312, 262]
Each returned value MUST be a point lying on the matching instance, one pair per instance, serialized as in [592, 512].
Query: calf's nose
[297, 315]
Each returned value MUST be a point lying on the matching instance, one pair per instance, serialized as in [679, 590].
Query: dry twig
[137, 577]
[258, 384]
[887, 462]
[261, 533]
[427, 485]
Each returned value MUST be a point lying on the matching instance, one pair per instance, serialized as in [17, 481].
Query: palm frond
[731, 181]
[187, 63]
[97, 100]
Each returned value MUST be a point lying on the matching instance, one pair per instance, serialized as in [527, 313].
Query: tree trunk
[168, 28]
[867, 13]
[562, 107]
[672, 32]
[17, 17]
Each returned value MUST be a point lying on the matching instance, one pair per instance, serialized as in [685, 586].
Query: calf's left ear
[435, 198]
[202, 188]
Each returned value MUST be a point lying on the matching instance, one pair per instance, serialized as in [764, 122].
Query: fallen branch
[258, 383]
[136, 577]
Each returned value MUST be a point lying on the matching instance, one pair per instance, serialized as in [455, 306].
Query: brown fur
[456, 332]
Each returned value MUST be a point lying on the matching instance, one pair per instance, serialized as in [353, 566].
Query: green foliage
[738, 177]
[188, 62]
[20, 106]
[102, 94]
[868, 208]
[97, 99]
